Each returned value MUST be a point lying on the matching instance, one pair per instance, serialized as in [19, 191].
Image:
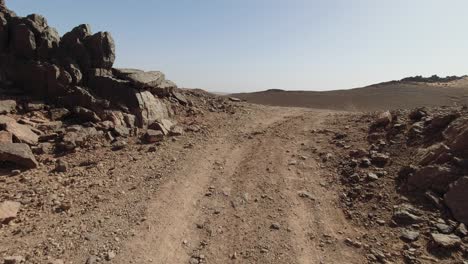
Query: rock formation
[76, 70]
[74, 75]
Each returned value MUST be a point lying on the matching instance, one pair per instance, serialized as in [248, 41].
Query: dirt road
[252, 193]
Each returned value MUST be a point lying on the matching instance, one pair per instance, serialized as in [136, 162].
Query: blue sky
[250, 45]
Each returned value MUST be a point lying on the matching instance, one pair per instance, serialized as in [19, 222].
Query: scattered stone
[406, 215]
[119, 145]
[275, 226]
[18, 153]
[409, 236]
[8, 211]
[110, 255]
[372, 176]
[305, 194]
[234, 99]
[176, 131]
[444, 228]
[446, 241]
[379, 159]
[61, 166]
[352, 243]
[152, 136]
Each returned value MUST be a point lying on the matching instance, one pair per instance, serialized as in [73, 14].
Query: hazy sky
[247, 45]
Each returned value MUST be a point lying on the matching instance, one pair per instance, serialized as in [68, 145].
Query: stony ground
[258, 185]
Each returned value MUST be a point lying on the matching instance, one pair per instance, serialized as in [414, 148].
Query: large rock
[101, 49]
[383, 119]
[7, 106]
[457, 199]
[22, 133]
[446, 241]
[72, 45]
[433, 154]
[434, 177]
[149, 109]
[48, 43]
[23, 42]
[141, 79]
[8, 211]
[17, 153]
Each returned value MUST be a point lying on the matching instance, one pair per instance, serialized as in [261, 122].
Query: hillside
[389, 95]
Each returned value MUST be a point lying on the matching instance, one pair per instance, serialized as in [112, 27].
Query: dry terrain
[384, 96]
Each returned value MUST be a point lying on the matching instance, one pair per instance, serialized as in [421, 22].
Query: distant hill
[407, 93]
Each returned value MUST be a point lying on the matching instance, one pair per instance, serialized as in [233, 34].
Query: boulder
[48, 43]
[72, 45]
[152, 136]
[433, 153]
[446, 241]
[164, 125]
[406, 214]
[101, 49]
[8, 211]
[434, 177]
[180, 97]
[149, 109]
[141, 79]
[164, 89]
[379, 159]
[176, 131]
[383, 119]
[74, 72]
[17, 153]
[79, 96]
[7, 106]
[22, 133]
[36, 23]
[23, 41]
[457, 199]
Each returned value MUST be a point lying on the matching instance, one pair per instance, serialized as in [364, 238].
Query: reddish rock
[22, 133]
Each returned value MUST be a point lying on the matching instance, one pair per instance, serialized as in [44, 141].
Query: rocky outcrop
[75, 70]
[439, 166]
[73, 74]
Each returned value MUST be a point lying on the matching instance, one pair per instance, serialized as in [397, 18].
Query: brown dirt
[212, 196]
[251, 187]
